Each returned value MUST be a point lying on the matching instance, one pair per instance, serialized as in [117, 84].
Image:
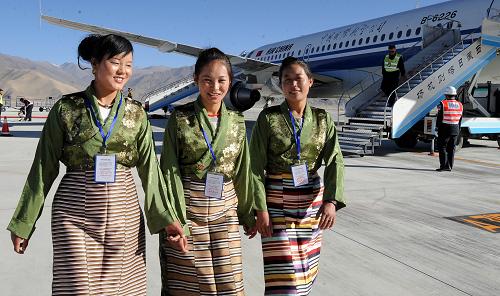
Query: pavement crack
[403, 263]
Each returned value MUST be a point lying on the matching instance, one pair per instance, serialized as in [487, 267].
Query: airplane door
[307, 52]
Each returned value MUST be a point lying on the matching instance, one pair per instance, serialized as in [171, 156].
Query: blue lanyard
[208, 143]
[105, 137]
[295, 134]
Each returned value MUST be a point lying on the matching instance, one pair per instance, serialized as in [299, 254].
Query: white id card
[300, 176]
[214, 185]
[105, 168]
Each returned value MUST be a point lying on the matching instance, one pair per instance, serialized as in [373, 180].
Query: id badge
[214, 185]
[300, 176]
[105, 168]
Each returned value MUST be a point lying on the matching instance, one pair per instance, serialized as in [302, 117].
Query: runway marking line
[489, 222]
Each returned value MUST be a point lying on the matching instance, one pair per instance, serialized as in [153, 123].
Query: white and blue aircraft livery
[339, 58]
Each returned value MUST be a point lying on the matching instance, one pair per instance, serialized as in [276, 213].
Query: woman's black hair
[287, 62]
[97, 47]
[209, 55]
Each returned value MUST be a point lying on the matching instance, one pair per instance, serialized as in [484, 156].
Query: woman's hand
[250, 231]
[328, 215]
[176, 238]
[20, 244]
[264, 225]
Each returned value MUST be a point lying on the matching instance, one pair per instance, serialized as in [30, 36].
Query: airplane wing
[243, 63]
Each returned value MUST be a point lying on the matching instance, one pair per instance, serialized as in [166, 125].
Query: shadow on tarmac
[26, 134]
[387, 167]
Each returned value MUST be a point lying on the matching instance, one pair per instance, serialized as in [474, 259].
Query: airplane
[339, 58]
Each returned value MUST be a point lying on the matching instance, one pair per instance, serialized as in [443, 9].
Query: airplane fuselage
[352, 52]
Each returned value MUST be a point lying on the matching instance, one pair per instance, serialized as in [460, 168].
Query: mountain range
[20, 77]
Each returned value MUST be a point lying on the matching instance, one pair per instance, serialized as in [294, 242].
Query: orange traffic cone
[5, 128]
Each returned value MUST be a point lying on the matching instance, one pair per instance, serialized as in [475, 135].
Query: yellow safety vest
[391, 65]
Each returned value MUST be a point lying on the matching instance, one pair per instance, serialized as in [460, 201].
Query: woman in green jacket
[289, 144]
[205, 163]
[97, 226]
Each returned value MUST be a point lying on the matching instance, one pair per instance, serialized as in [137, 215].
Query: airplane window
[408, 33]
[391, 35]
[334, 45]
[400, 34]
[307, 51]
[375, 38]
[328, 47]
[340, 45]
[293, 52]
[367, 40]
[300, 51]
[360, 41]
[353, 42]
[417, 31]
[323, 48]
[347, 44]
[317, 49]
[382, 38]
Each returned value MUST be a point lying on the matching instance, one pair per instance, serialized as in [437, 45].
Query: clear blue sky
[233, 26]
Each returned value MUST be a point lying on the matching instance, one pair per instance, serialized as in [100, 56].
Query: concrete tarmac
[393, 238]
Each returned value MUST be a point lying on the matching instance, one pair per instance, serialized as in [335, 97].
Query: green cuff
[21, 229]
[260, 204]
[159, 222]
[247, 220]
[185, 227]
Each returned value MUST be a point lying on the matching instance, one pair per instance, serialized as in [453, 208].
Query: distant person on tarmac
[392, 71]
[28, 108]
[449, 118]
[1, 101]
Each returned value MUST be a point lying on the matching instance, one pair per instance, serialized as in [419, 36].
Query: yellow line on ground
[489, 164]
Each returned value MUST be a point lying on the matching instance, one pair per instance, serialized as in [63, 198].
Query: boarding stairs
[366, 113]
[168, 94]
[372, 121]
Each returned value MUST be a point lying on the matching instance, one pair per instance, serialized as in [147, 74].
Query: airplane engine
[241, 98]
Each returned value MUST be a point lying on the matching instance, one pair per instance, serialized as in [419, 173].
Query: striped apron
[213, 264]
[291, 255]
[98, 237]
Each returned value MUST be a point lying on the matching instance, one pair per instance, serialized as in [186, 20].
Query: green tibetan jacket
[273, 150]
[71, 136]
[185, 153]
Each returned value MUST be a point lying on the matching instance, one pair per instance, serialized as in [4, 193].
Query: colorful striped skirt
[291, 255]
[98, 237]
[213, 263]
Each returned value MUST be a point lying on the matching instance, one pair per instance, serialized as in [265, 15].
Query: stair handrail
[374, 81]
[168, 86]
[407, 82]
[348, 92]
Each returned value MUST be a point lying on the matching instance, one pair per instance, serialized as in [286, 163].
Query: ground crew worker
[28, 108]
[448, 122]
[1, 101]
[392, 69]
